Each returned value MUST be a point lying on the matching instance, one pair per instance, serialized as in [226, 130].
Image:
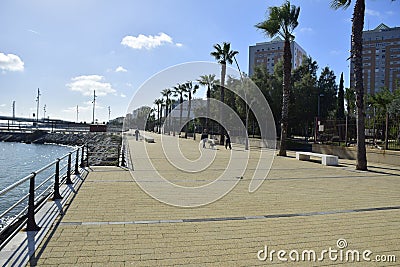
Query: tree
[303, 98]
[191, 90]
[167, 93]
[356, 58]
[209, 81]
[340, 100]
[223, 55]
[282, 21]
[328, 88]
[159, 103]
[180, 91]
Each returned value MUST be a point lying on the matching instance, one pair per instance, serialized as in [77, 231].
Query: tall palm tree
[223, 55]
[209, 81]
[282, 21]
[356, 58]
[167, 93]
[180, 90]
[159, 103]
[191, 90]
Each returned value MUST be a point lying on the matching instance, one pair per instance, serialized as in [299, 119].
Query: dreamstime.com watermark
[340, 253]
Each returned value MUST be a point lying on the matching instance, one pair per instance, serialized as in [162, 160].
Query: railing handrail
[17, 183]
[47, 191]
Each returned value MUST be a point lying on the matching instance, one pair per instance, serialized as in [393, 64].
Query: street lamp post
[318, 117]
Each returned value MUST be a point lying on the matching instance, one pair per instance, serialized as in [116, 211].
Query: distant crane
[94, 103]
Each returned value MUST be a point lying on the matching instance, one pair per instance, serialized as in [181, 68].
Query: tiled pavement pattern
[302, 206]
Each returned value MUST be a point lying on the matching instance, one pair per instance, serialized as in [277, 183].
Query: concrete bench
[212, 143]
[330, 160]
[148, 139]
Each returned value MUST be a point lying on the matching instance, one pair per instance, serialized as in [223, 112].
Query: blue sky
[68, 48]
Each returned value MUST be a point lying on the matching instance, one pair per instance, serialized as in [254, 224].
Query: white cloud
[179, 44]
[87, 83]
[2, 105]
[306, 30]
[122, 95]
[147, 42]
[372, 12]
[11, 62]
[120, 69]
[33, 31]
[390, 13]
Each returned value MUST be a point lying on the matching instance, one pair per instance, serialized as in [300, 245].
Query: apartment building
[381, 59]
[269, 53]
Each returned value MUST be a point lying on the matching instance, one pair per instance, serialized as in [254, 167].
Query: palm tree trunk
[222, 118]
[188, 114]
[208, 108]
[180, 112]
[287, 68]
[357, 28]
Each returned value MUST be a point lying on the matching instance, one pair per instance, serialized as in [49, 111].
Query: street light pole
[246, 145]
[94, 103]
[317, 118]
[37, 106]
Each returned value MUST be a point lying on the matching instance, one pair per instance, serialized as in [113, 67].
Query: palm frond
[336, 4]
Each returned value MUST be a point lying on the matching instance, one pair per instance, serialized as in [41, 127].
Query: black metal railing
[23, 210]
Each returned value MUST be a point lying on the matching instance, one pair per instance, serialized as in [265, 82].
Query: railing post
[87, 155]
[57, 194]
[31, 223]
[69, 170]
[82, 162]
[123, 157]
[118, 154]
[76, 163]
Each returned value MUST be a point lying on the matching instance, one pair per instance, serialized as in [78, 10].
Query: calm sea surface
[17, 160]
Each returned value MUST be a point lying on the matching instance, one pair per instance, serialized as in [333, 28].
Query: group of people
[204, 138]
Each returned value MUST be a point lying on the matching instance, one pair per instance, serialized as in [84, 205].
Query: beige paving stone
[99, 227]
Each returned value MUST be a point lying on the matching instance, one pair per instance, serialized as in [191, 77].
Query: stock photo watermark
[340, 253]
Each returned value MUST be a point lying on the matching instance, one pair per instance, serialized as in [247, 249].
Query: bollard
[31, 223]
[69, 170]
[56, 194]
[82, 162]
[76, 163]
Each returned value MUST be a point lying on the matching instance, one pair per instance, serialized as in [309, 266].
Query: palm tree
[180, 91]
[223, 54]
[282, 21]
[159, 103]
[209, 81]
[356, 57]
[167, 93]
[191, 90]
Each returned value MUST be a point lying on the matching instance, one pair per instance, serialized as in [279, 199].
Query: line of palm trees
[166, 102]
[223, 55]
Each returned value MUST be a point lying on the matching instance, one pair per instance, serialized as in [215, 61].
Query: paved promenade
[302, 206]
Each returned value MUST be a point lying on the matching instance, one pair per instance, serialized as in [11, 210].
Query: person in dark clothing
[228, 141]
[204, 137]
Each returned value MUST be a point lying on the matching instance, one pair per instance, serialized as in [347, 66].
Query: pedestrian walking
[204, 137]
[228, 141]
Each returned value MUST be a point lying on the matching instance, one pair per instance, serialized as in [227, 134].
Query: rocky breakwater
[103, 147]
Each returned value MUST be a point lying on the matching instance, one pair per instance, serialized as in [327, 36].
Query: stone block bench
[148, 139]
[329, 160]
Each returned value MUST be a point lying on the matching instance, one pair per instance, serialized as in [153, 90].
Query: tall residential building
[269, 53]
[381, 59]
